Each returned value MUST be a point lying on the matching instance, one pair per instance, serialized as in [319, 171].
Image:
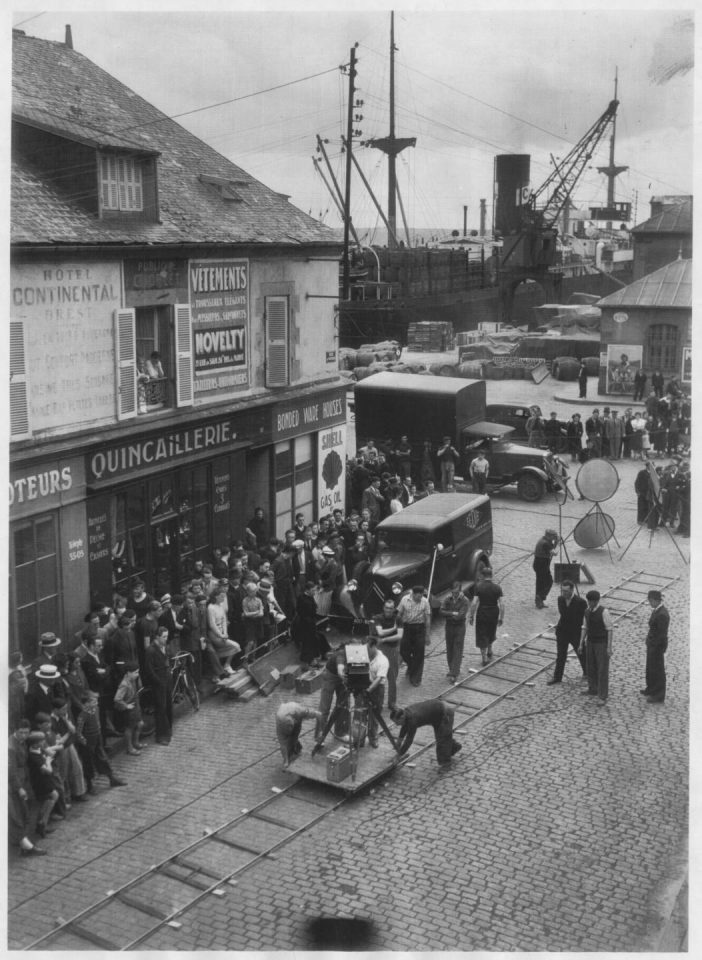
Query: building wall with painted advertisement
[62, 317]
[219, 306]
[163, 482]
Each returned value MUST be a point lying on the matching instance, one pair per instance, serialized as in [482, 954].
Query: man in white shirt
[375, 693]
[414, 616]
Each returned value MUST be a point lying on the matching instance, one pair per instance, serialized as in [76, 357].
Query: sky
[471, 82]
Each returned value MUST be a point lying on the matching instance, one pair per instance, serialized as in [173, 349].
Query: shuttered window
[184, 355]
[126, 364]
[277, 373]
[19, 398]
[121, 183]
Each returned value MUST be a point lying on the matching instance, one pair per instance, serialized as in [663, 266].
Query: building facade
[173, 348]
[648, 325]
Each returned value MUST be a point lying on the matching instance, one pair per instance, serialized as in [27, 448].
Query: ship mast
[612, 170]
[392, 145]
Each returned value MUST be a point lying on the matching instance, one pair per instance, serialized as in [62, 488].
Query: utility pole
[346, 285]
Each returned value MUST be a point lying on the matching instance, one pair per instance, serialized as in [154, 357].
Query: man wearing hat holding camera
[543, 552]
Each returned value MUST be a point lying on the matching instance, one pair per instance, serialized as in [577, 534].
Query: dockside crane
[534, 244]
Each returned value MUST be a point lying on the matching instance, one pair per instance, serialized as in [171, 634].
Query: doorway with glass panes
[159, 529]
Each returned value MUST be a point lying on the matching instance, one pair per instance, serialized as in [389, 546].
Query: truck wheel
[530, 487]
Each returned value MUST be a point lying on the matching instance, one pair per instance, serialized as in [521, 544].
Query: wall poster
[623, 360]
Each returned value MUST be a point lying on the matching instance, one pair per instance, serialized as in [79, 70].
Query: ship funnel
[512, 191]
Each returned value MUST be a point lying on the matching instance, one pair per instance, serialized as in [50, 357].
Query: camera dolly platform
[335, 760]
[351, 763]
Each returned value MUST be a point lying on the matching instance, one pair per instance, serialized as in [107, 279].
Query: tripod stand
[653, 514]
[358, 701]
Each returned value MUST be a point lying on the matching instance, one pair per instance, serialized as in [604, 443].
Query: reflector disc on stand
[594, 530]
[597, 480]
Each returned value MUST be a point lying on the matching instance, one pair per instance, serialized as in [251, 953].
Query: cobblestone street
[560, 827]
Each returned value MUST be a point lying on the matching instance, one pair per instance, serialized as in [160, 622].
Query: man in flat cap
[543, 552]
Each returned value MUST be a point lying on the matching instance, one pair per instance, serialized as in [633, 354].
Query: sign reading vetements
[219, 301]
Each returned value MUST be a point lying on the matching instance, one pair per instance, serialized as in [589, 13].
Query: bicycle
[182, 683]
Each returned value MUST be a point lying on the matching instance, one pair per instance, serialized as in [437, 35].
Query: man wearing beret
[543, 552]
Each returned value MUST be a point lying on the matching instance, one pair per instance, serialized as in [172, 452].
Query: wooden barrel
[498, 372]
[565, 368]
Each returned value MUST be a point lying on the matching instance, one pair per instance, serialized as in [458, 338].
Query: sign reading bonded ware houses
[219, 303]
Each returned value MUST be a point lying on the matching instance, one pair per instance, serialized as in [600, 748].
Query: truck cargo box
[423, 408]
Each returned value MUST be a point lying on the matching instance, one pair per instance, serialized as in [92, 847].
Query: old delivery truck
[392, 405]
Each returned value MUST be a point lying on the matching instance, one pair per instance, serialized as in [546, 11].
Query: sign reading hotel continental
[114, 462]
[219, 305]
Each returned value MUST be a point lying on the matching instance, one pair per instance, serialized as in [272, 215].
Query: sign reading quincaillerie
[219, 304]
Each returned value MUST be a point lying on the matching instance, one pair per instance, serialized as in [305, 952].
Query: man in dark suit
[157, 674]
[44, 685]
[656, 645]
[572, 610]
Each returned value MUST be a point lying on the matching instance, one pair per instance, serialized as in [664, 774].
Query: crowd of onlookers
[114, 676]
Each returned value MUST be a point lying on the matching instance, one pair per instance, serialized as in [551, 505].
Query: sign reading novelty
[219, 302]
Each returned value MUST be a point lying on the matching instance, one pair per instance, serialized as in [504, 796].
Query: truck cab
[510, 462]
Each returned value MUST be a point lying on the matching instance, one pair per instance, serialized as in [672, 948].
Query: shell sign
[331, 469]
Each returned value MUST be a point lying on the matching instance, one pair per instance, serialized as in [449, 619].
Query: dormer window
[121, 183]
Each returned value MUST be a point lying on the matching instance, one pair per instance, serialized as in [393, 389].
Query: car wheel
[530, 487]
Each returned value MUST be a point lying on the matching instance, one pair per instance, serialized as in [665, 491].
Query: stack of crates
[431, 336]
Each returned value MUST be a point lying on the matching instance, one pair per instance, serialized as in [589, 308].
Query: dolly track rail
[497, 681]
[181, 868]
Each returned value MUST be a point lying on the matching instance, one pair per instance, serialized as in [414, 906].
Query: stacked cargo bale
[430, 336]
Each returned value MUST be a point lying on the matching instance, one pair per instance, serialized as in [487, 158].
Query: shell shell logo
[472, 519]
[332, 469]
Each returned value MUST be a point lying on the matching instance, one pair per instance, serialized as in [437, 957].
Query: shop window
[277, 337]
[36, 581]
[159, 529]
[154, 359]
[662, 348]
[294, 481]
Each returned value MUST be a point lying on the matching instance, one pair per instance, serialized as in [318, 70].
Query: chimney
[465, 221]
[69, 37]
[482, 217]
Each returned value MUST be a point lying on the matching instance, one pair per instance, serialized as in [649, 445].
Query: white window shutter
[126, 363]
[184, 355]
[138, 195]
[19, 398]
[277, 342]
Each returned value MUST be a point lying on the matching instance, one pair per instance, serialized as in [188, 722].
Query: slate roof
[671, 286]
[674, 218]
[58, 89]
